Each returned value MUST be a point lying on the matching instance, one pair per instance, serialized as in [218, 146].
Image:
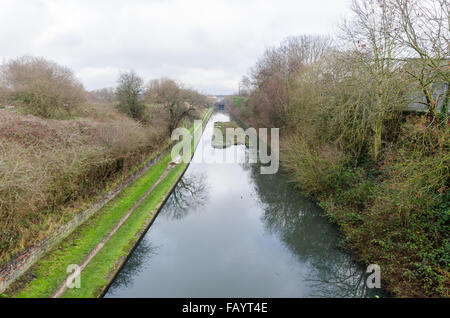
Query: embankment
[393, 212]
[48, 273]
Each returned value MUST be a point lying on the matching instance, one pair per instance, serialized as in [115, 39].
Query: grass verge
[96, 274]
[50, 271]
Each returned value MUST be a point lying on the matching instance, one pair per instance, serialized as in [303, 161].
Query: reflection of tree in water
[343, 279]
[188, 195]
[301, 225]
[138, 261]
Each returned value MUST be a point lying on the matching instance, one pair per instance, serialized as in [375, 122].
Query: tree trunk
[377, 138]
[444, 108]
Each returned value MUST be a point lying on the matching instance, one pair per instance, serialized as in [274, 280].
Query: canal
[229, 231]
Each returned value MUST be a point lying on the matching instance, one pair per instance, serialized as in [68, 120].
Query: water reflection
[189, 194]
[134, 265]
[343, 279]
[307, 233]
[228, 231]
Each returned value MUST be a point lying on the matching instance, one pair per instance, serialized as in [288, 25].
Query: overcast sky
[206, 44]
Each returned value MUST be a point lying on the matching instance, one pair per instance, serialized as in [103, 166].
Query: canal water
[229, 231]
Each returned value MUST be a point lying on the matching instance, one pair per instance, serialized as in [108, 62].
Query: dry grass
[47, 165]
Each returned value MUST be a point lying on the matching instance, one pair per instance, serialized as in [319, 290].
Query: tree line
[180, 102]
[389, 54]
[49, 90]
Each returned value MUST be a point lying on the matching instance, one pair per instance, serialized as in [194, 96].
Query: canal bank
[48, 274]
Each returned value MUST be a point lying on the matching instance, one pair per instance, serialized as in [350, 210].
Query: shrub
[44, 88]
[315, 168]
[128, 93]
[355, 189]
[46, 166]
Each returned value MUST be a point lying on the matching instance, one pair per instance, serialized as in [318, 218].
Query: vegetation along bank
[65, 148]
[364, 129]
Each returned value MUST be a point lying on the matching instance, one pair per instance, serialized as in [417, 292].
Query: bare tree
[105, 95]
[245, 86]
[374, 35]
[195, 98]
[275, 73]
[424, 39]
[169, 93]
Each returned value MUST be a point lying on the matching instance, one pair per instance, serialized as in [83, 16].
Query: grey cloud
[207, 44]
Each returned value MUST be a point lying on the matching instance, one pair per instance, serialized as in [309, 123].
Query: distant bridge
[220, 105]
[219, 101]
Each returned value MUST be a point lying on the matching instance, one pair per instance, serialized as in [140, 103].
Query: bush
[315, 168]
[44, 88]
[4, 94]
[48, 166]
[128, 93]
[355, 189]
[416, 174]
